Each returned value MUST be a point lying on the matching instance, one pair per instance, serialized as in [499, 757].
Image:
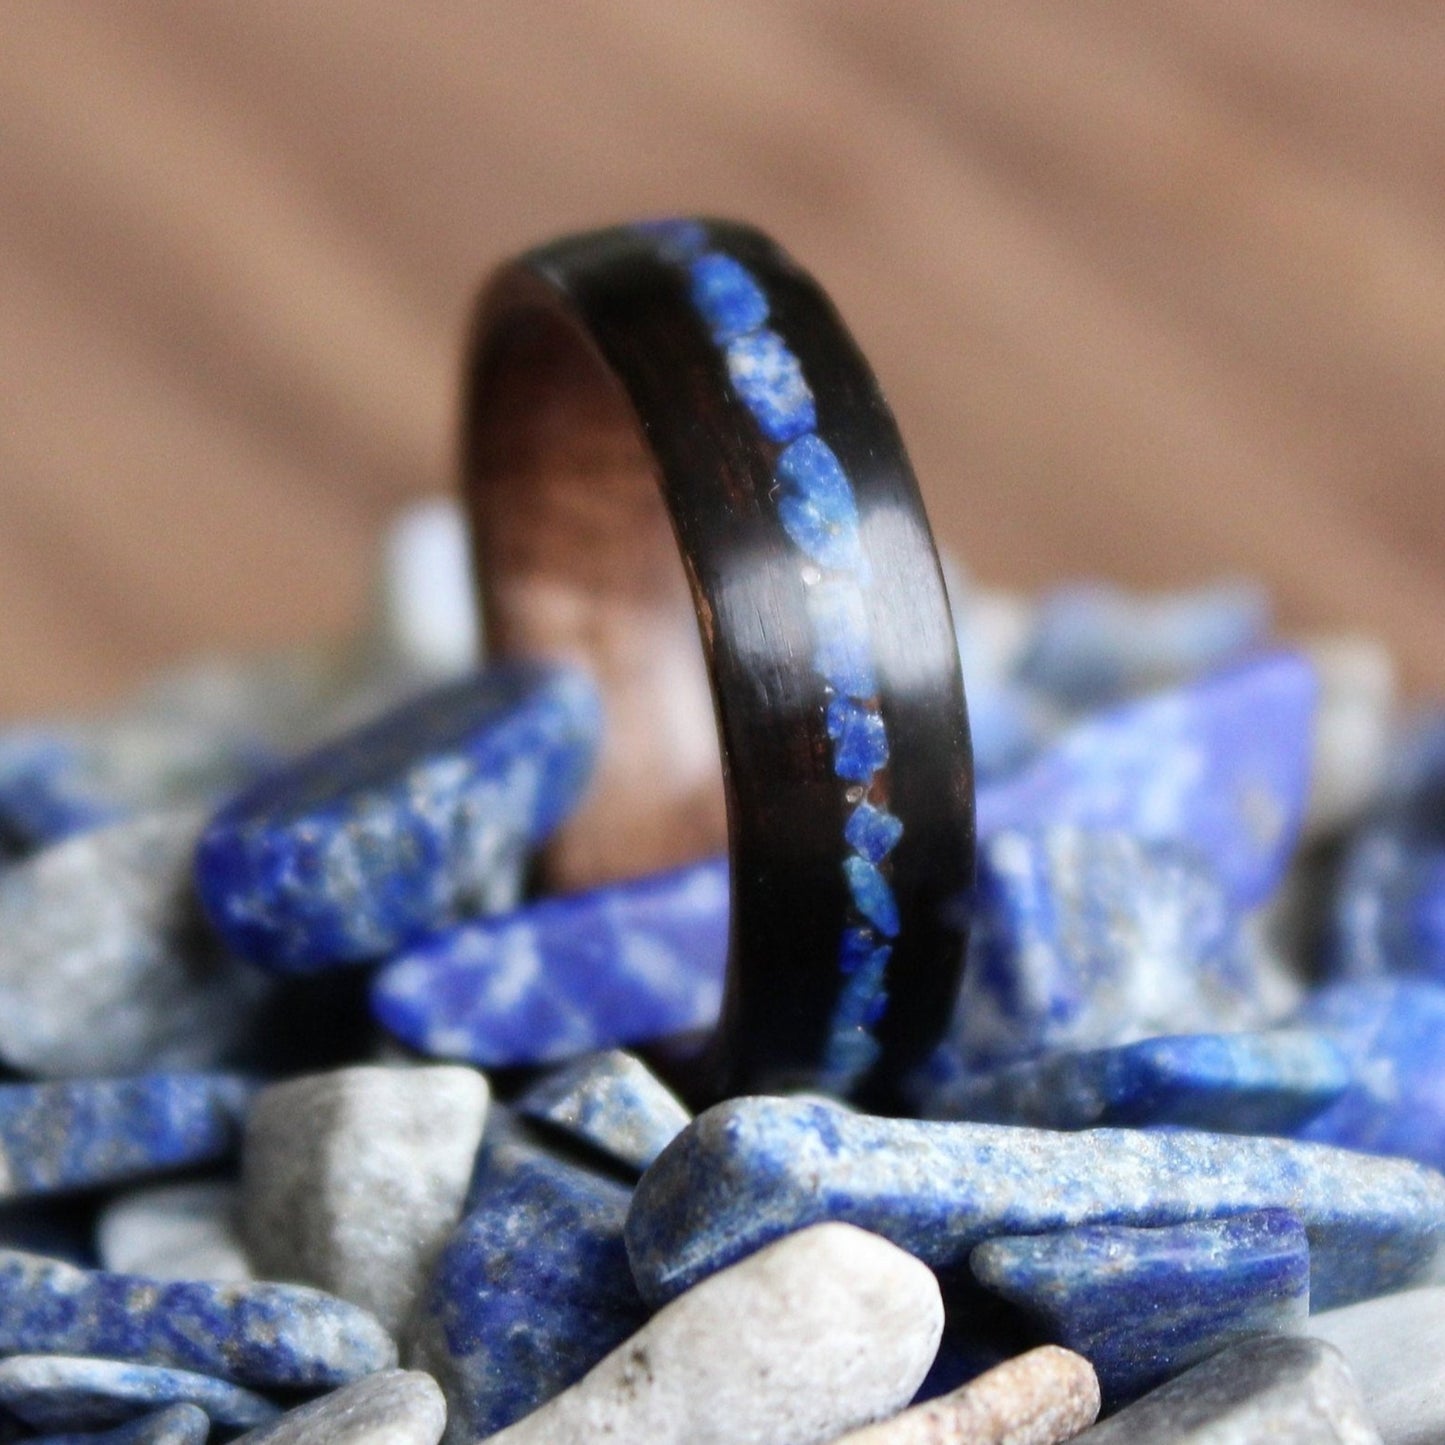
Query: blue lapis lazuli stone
[872, 895]
[616, 966]
[842, 647]
[678, 239]
[1221, 766]
[726, 295]
[769, 381]
[817, 507]
[265, 1336]
[531, 1290]
[860, 741]
[403, 827]
[751, 1170]
[1388, 913]
[79, 1134]
[1247, 1083]
[851, 1048]
[872, 832]
[1143, 1304]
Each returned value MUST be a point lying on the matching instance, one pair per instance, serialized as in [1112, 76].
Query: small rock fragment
[405, 826]
[266, 1336]
[620, 965]
[174, 1231]
[178, 1425]
[392, 1407]
[1040, 1398]
[106, 963]
[1278, 1391]
[67, 1392]
[611, 1101]
[351, 1180]
[1144, 1304]
[821, 1332]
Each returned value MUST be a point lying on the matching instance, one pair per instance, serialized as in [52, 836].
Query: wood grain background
[1157, 289]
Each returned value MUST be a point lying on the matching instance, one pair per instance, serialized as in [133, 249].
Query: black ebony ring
[694, 363]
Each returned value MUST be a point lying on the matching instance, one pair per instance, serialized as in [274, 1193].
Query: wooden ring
[681, 391]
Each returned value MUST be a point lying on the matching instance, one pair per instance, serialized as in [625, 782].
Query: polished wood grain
[1155, 289]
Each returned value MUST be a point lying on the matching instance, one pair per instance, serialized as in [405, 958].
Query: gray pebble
[174, 1231]
[1276, 1391]
[393, 1407]
[352, 1180]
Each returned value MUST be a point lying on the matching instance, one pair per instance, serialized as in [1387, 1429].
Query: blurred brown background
[1157, 289]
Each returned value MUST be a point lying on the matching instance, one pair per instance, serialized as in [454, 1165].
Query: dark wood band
[670, 432]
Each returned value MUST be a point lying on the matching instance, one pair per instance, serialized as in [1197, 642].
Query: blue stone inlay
[752, 1170]
[1388, 915]
[769, 381]
[1392, 1034]
[677, 238]
[267, 1336]
[78, 1134]
[1221, 766]
[620, 965]
[178, 1425]
[64, 1392]
[725, 293]
[872, 895]
[842, 652]
[860, 742]
[402, 827]
[851, 1048]
[872, 832]
[529, 1293]
[611, 1101]
[1260, 1083]
[817, 507]
[1144, 1304]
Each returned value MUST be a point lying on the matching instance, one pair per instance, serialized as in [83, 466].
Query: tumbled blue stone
[723, 290]
[872, 895]
[872, 832]
[1392, 1035]
[1388, 913]
[1259, 1083]
[178, 1425]
[769, 381]
[1144, 1304]
[78, 1134]
[620, 965]
[1093, 643]
[405, 826]
[860, 742]
[753, 1169]
[1081, 939]
[611, 1101]
[267, 1336]
[842, 647]
[1221, 766]
[532, 1289]
[64, 1392]
[817, 506]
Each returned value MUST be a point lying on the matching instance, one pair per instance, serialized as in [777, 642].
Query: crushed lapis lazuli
[818, 511]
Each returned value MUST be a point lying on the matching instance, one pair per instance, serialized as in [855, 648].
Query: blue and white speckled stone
[1392, 1034]
[266, 1336]
[1388, 913]
[612, 1102]
[1221, 766]
[76, 1135]
[407, 825]
[752, 1169]
[860, 741]
[769, 381]
[727, 297]
[842, 647]
[178, 1425]
[529, 1293]
[1260, 1083]
[1144, 1304]
[816, 506]
[1084, 939]
[620, 965]
[67, 1392]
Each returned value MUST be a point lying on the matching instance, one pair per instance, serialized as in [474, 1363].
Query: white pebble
[392, 1407]
[174, 1231]
[427, 607]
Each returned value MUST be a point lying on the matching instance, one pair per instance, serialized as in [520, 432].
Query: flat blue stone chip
[402, 827]
[872, 895]
[842, 647]
[872, 832]
[860, 741]
[725, 293]
[770, 383]
[817, 507]
[175, 1425]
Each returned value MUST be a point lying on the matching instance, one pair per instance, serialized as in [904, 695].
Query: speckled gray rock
[1040, 1398]
[394, 1407]
[826, 1330]
[174, 1231]
[351, 1180]
[106, 966]
[180, 1425]
[1393, 1346]
[1277, 1391]
[611, 1101]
